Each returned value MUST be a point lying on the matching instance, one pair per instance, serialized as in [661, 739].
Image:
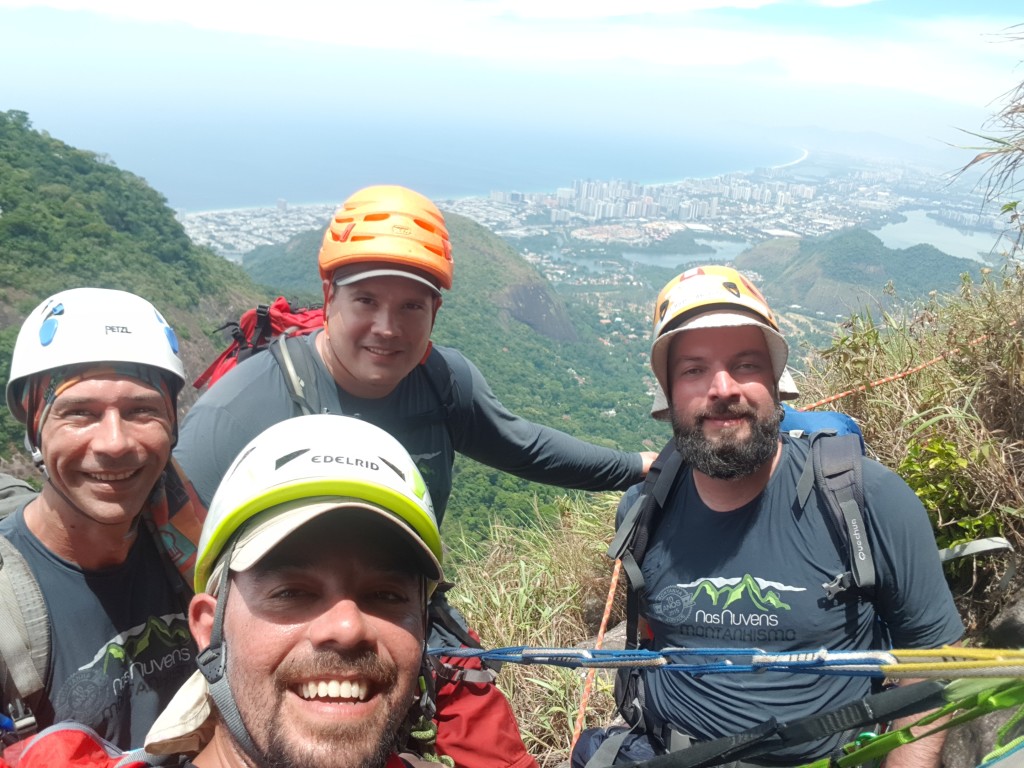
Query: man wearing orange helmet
[385, 259]
[737, 561]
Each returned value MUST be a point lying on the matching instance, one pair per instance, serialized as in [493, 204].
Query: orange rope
[873, 384]
[894, 377]
[600, 641]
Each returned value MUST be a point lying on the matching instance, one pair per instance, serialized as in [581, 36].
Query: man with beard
[313, 572]
[736, 562]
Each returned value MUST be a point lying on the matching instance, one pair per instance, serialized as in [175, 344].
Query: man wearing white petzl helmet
[106, 549]
[314, 569]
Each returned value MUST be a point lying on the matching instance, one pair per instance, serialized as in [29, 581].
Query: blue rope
[696, 661]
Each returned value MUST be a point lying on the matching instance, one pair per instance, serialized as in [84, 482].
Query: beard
[341, 745]
[730, 456]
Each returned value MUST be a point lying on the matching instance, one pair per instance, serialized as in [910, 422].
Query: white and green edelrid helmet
[288, 475]
[82, 326]
[302, 467]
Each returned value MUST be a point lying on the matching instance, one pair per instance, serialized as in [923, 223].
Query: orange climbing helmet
[712, 296]
[391, 228]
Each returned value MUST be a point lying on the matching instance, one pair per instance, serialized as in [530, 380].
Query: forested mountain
[846, 271]
[575, 359]
[70, 218]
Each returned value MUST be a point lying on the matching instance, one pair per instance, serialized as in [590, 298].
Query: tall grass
[544, 586]
[954, 425]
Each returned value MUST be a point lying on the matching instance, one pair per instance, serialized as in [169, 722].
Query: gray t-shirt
[254, 396]
[752, 578]
[120, 643]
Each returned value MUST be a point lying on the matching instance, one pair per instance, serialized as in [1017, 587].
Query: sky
[224, 104]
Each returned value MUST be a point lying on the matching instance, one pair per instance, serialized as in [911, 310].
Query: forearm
[923, 753]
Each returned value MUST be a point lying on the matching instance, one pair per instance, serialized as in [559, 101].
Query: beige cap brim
[268, 529]
[787, 387]
[778, 348]
[185, 725]
[659, 409]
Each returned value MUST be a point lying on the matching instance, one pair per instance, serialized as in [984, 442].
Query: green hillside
[846, 271]
[574, 358]
[290, 268]
[71, 218]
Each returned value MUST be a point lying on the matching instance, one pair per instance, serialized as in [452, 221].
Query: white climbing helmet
[91, 325]
[301, 468]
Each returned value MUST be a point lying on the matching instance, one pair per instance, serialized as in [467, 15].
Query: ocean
[304, 173]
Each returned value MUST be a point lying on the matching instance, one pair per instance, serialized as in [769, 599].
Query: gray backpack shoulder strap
[24, 637]
[635, 528]
[299, 369]
[835, 467]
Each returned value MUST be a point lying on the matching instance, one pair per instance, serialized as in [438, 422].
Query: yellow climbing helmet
[717, 290]
[390, 227]
[306, 466]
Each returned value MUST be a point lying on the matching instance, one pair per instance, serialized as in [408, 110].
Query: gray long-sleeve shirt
[255, 395]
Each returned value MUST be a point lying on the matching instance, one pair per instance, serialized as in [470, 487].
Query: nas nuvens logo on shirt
[746, 608]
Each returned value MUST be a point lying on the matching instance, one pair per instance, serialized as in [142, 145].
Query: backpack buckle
[21, 722]
[838, 585]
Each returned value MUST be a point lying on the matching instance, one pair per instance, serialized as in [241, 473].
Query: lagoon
[978, 245]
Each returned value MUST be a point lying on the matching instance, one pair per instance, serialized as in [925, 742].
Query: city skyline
[308, 101]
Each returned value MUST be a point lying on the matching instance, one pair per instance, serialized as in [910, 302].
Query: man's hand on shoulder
[647, 457]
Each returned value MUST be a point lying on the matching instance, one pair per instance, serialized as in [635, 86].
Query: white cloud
[954, 59]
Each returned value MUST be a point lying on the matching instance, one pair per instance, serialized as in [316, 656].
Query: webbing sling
[299, 369]
[770, 735]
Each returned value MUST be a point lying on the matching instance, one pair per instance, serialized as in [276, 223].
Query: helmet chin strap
[213, 663]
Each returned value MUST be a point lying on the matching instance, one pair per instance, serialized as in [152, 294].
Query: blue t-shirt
[752, 578]
[120, 642]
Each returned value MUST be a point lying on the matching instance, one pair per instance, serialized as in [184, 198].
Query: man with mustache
[385, 261]
[737, 562]
[315, 565]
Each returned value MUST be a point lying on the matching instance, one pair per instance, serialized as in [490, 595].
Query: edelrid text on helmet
[388, 226]
[84, 326]
[309, 465]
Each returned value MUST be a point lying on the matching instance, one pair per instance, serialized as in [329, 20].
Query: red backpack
[256, 328]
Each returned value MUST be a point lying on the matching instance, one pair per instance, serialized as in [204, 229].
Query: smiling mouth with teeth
[333, 689]
[107, 477]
